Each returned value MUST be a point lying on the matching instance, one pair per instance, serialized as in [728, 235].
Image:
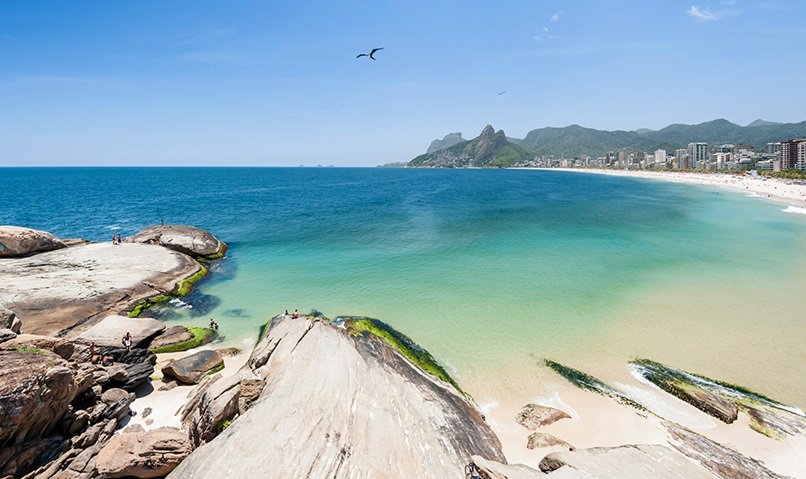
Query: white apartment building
[697, 154]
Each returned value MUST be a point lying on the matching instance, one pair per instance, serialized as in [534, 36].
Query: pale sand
[782, 191]
[165, 405]
[598, 421]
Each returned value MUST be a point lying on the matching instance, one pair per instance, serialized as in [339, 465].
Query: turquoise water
[488, 269]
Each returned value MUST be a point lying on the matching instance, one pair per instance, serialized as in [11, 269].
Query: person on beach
[472, 472]
[286, 312]
[114, 241]
[296, 314]
[127, 341]
[213, 325]
[120, 239]
[162, 221]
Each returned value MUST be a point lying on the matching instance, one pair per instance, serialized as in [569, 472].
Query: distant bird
[370, 54]
[501, 93]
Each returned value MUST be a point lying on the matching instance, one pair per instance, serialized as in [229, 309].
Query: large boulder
[190, 240]
[181, 338]
[110, 331]
[18, 241]
[191, 369]
[533, 416]
[540, 439]
[36, 387]
[143, 454]
[340, 403]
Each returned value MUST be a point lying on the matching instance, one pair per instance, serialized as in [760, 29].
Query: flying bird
[501, 93]
[370, 54]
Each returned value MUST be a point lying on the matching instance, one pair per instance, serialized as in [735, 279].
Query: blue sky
[277, 82]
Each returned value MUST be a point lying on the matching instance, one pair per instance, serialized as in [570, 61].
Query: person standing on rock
[127, 341]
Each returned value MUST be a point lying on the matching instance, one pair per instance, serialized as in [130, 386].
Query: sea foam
[795, 209]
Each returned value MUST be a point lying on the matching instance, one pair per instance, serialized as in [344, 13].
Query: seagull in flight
[501, 93]
[370, 54]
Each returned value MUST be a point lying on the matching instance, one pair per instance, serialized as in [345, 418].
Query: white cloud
[546, 29]
[556, 17]
[538, 39]
[703, 14]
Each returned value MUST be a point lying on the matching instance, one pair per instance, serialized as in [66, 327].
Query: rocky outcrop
[722, 461]
[213, 405]
[190, 240]
[626, 462]
[9, 320]
[56, 291]
[36, 386]
[340, 402]
[17, 241]
[495, 470]
[57, 408]
[540, 440]
[110, 331]
[446, 142]
[6, 335]
[489, 149]
[191, 369]
[142, 454]
[181, 338]
[533, 416]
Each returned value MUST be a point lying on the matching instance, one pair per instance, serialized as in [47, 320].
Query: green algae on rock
[402, 343]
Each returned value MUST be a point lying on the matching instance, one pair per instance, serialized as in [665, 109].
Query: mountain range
[575, 140]
[490, 149]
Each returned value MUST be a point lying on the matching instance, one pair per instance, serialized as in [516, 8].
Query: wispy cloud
[556, 17]
[703, 14]
[707, 15]
[538, 38]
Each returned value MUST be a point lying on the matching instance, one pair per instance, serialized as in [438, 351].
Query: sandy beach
[782, 191]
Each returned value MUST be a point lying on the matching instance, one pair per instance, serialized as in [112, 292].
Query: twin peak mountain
[490, 149]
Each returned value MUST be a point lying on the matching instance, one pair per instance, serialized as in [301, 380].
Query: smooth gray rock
[7, 335]
[191, 369]
[533, 416]
[624, 462]
[146, 454]
[190, 240]
[720, 460]
[496, 470]
[110, 330]
[342, 406]
[19, 241]
[56, 291]
[540, 439]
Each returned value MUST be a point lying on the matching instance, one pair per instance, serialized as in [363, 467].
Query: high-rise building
[660, 157]
[773, 148]
[801, 163]
[789, 153]
[682, 158]
[697, 154]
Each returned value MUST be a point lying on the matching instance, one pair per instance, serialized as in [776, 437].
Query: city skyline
[201, 83]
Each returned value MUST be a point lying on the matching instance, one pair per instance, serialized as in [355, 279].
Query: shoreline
[774, 189]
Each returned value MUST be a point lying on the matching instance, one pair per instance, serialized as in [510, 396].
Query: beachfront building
[660, 158]
[789, 153]
[801, 163]
[697, 154]
[682, 158]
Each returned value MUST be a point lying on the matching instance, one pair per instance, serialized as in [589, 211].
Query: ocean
[490, 270]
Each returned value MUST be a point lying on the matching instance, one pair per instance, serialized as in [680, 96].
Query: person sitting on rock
[127, 341]
[107, 360]
[94, 356]
[472, 472]
[296, 314]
